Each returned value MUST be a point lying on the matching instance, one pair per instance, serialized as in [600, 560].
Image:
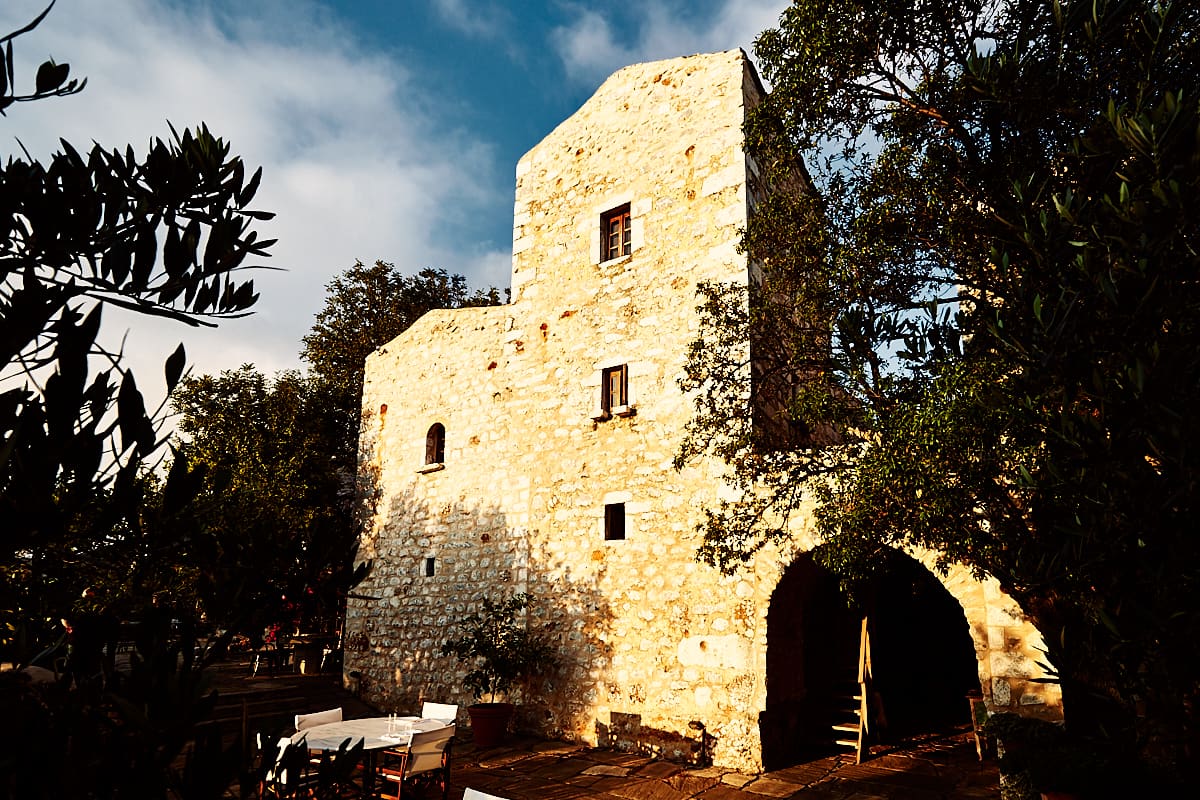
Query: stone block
[729, 651]
[1003, 614]
[1001, 693]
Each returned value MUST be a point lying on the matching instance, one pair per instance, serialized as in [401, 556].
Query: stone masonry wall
[646, 632]
[659, 652]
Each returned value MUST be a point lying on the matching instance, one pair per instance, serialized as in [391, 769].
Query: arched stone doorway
[923, 655]
[812, 650]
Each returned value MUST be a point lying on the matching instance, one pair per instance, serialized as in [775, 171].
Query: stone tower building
[528, 447]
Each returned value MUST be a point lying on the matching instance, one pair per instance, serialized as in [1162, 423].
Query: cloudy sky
[386, 129]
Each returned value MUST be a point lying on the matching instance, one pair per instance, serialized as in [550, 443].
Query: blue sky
[386, 129]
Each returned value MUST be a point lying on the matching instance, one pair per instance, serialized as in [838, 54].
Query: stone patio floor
[534, 769]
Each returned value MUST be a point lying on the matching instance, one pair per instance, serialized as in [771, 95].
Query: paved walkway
[530, 769]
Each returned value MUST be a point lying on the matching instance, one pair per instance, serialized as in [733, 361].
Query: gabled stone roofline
[451, 320]
[645, 66]
[465, 317]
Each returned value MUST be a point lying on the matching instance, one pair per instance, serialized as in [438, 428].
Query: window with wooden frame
[616, 233]
[435, 444]
[614, 389]
[614, 521]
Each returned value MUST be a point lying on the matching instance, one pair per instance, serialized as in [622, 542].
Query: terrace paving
[532, 769]
[528, 768]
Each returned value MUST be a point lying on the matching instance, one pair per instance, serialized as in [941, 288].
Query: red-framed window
[615, 233]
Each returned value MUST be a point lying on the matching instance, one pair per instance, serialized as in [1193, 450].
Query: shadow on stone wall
[400, 616]
[433, 563]
[575, 608]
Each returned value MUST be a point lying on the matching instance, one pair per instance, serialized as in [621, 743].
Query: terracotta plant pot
[489, 722]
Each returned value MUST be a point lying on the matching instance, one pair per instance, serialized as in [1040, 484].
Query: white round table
[374, 734]
[371, 730]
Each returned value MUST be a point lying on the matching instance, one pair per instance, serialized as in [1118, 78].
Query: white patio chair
[427, 756]
[475, 794]
[443, 712]
[305, 721]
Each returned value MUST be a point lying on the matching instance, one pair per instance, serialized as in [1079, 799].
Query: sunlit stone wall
[658, 651]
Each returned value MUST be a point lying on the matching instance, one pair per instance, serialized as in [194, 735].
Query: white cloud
[592, 47]
[477, 19]
[588, 49]
[491, 268]
[355, 163]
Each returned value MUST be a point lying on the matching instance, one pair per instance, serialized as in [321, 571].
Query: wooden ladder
[858, 729]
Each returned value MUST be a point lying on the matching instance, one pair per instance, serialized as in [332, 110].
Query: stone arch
[812, 634]
[810, 639]
[1010, 651]
[926, 659]
[970, 594]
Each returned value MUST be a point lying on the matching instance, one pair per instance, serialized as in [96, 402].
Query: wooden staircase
[853, 734]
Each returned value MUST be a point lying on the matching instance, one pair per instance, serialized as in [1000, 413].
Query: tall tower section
[660, 143]
[529, 447]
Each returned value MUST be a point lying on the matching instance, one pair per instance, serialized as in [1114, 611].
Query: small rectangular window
[616, 233]
[428, 567]
[614, 388]
[614, 521]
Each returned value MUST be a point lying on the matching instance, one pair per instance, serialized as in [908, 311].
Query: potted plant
[502, 651]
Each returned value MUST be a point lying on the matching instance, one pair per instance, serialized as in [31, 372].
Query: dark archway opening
[922, 653]
[812, 651]
[924, 658]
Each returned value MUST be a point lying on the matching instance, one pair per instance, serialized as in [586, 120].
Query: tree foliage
[88, 537]
[275, 522]
[979, 327]
[51, 80]
[163, 235]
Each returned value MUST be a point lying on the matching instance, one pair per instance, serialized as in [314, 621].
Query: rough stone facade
[659, 651]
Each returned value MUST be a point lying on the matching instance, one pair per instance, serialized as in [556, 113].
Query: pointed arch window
[435, 444]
